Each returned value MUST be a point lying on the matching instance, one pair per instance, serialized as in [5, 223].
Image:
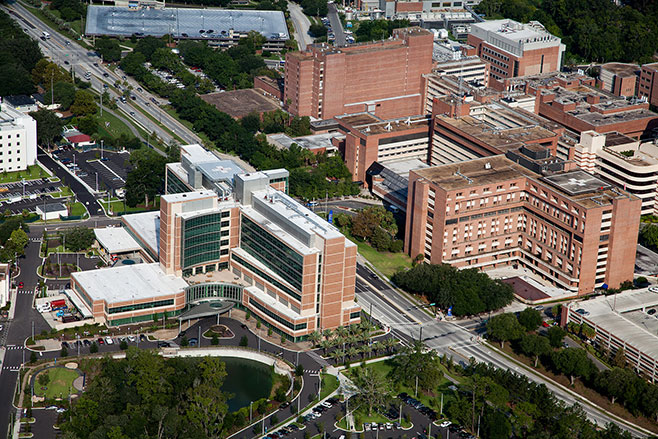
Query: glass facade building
[202, 238]
[276, 255]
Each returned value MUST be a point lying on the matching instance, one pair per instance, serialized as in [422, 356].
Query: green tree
[88, 124]
[555, 336]
[534, 345]
[63, 93]
[299, 370]
[108, 49]
[83, 104]
[504, 327]
[46, 72]
[244, 341]
[495, 425]
[79, 238]
[619, 358]
[93, 348]
[44, 378]
[373, 389]
[49, 126]
[64, 352]
[416, 362]
[146, 179]
[573, 362]
[205, 407]
[530, 319]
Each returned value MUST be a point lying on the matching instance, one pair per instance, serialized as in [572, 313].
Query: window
[139, 306]
[276, 317]
[267, 277]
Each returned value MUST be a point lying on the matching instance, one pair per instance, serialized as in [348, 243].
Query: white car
[445, 424]
[61, 410]
[109, 340]
[132, 338]
[389, 426]
[366, 426]
[327, 404]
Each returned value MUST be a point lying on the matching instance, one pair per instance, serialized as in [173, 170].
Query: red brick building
[369, 139]
[383, 78]
[569, 228]
[619, 79]
[648, 84]
[515, 49]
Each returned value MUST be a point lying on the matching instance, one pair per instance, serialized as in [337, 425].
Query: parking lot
[112, 169]
[29, 203]
[421, 417]
[29, 188]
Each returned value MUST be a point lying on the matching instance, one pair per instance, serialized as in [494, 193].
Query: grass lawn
[78, 209]
[118, 206]
[329, 384]
[31, 173]
[65, 192]
[116, 127]
[387, 263]
[61, 380]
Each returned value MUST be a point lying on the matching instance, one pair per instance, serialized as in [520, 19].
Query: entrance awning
[207, 309]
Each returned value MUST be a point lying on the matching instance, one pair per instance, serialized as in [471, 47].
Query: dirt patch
[220, 331]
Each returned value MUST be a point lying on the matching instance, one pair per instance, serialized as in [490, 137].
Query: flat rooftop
[489, 134]
[116, 240]
[370, 124]
[312, 142]
[490, 170]
[146, 226]
[240, 103]
[188, 196]
[196, 153]
[128, 282]
[52, 207]
[576, 182]
[184, 22]
[619, 315]
[621, 69]
[514, 31]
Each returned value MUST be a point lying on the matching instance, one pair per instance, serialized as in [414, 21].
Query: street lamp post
[102, 141]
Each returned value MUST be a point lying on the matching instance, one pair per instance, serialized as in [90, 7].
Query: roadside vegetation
[464, 292]
[571, 366]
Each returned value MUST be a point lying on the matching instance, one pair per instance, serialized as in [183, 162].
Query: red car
[20, 284]
[545, 324]
[100, 341]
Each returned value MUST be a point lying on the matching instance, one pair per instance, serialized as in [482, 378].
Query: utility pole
[102, 92]
[52, 90]
[199, 343]
[102, 146]
[416, 393]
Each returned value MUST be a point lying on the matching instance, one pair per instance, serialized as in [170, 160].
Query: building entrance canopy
[207, 309]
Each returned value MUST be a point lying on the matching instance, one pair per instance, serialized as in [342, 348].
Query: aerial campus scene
[274, 219]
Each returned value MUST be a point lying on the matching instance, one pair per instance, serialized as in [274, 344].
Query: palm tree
[336, 354]
[325, 344]
[314, 337]
[377, 346]
[389, 343]
[327, 333]
[352, 352]
[341, 331]
[364, 350]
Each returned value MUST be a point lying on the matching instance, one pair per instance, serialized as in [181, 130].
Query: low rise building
[390, 180]
[516, 49]
[315, 143]
[18, 139]
[648, 84]
[568, 227]
[369, 139]
[619, 79]
[52, 211]
[622, 161]
[4, 284]
[624, 321]
[241, 103]
[494, 129]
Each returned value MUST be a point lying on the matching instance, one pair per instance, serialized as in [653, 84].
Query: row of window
[267, 277]
[276, 317]
[276, 255]
[138, 306]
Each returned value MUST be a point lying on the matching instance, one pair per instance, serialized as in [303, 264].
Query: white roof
[618, 314]
[187, 196]
[116, 240]
[146, 226]
[128, 282]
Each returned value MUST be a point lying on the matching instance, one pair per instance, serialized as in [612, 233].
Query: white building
[623, 321]
[18, 139]
[4, 284]
[51, 211]
[623, 161]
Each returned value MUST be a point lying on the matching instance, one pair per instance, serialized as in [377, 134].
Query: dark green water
[247, 380]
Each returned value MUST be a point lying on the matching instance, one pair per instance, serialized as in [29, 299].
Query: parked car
[109, 340]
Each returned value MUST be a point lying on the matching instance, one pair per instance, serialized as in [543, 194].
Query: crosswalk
[35, 239]
[311, 372]
[12, 368]
[13, 347]
[25, 292]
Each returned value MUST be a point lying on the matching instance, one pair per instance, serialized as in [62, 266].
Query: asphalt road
[61, 49]
[406, 321]
[336, 25]
[111, 172]
[301, 23]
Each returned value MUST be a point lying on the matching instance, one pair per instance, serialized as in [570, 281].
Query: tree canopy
[594, 30]
[49, 126]
[147, 396]
[467, 291]
[19, 54]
